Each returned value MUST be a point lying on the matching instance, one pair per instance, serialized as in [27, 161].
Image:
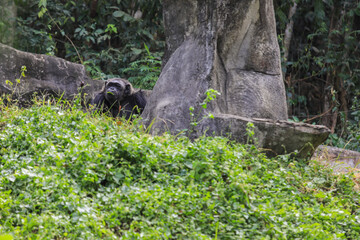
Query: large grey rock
[339, 159]
[230, 46]
[274, 137]
[45, 74]
[227, 45]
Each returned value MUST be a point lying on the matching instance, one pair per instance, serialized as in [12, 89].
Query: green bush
[107, 36]
[65, 174]
[145, 72]
[349, 138]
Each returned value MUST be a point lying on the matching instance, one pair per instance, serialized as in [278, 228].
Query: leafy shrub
[65, 174]
[322, 68]
[145, 72]
[104, 35]
[349, 138]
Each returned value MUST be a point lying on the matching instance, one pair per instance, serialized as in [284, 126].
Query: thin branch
[289, 29]
[66, 37]
[318, 116]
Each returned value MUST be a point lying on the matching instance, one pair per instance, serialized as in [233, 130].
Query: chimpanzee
[120, 99]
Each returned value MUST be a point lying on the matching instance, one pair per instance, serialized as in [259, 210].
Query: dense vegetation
[66, 174]
[111, 38]
[322, 64]
[319, 42]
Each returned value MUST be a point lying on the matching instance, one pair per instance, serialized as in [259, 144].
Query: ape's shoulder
[140, 99]
[99, 99]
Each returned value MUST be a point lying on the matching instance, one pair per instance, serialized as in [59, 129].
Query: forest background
[319, 43]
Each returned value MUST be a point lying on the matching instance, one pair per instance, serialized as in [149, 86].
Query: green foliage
[15, 88]
[350, 138]
[210, 95]
[6, 237]
[250, 133]
[323, 66]
[65, 174]
[145, 72]
[7, 21]
[106, 36]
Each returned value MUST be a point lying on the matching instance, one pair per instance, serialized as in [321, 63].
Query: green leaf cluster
[144, 73]
[107, 36]
[322, 69]
[66, 174]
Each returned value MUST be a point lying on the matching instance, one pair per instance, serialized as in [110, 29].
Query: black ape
[120, 99]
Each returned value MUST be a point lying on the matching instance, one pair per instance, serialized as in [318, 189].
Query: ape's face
[116, 91]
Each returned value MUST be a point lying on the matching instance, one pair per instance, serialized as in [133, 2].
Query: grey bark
[8, 13]
[289, 30]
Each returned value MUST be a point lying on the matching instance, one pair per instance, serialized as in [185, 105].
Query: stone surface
[275, 137]
[339, 159]
[227, 45]
[45, 74]
[230, 46]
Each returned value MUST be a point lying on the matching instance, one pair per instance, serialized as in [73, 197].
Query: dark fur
[118, 94]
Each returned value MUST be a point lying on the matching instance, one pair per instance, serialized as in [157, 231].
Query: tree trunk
[287, 41]
[8, 15]
[289, 30]
[328, 102]
[338, 97]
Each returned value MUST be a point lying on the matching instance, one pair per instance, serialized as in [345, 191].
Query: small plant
[15, 88]
[108, 33]
[250, 133]
[211, 95]
[349, 137]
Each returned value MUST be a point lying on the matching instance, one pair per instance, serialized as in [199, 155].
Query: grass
[66, 174]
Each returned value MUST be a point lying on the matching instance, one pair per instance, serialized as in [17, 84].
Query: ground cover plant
[66, 174]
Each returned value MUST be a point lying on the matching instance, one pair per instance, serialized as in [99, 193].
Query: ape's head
[117, 89]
